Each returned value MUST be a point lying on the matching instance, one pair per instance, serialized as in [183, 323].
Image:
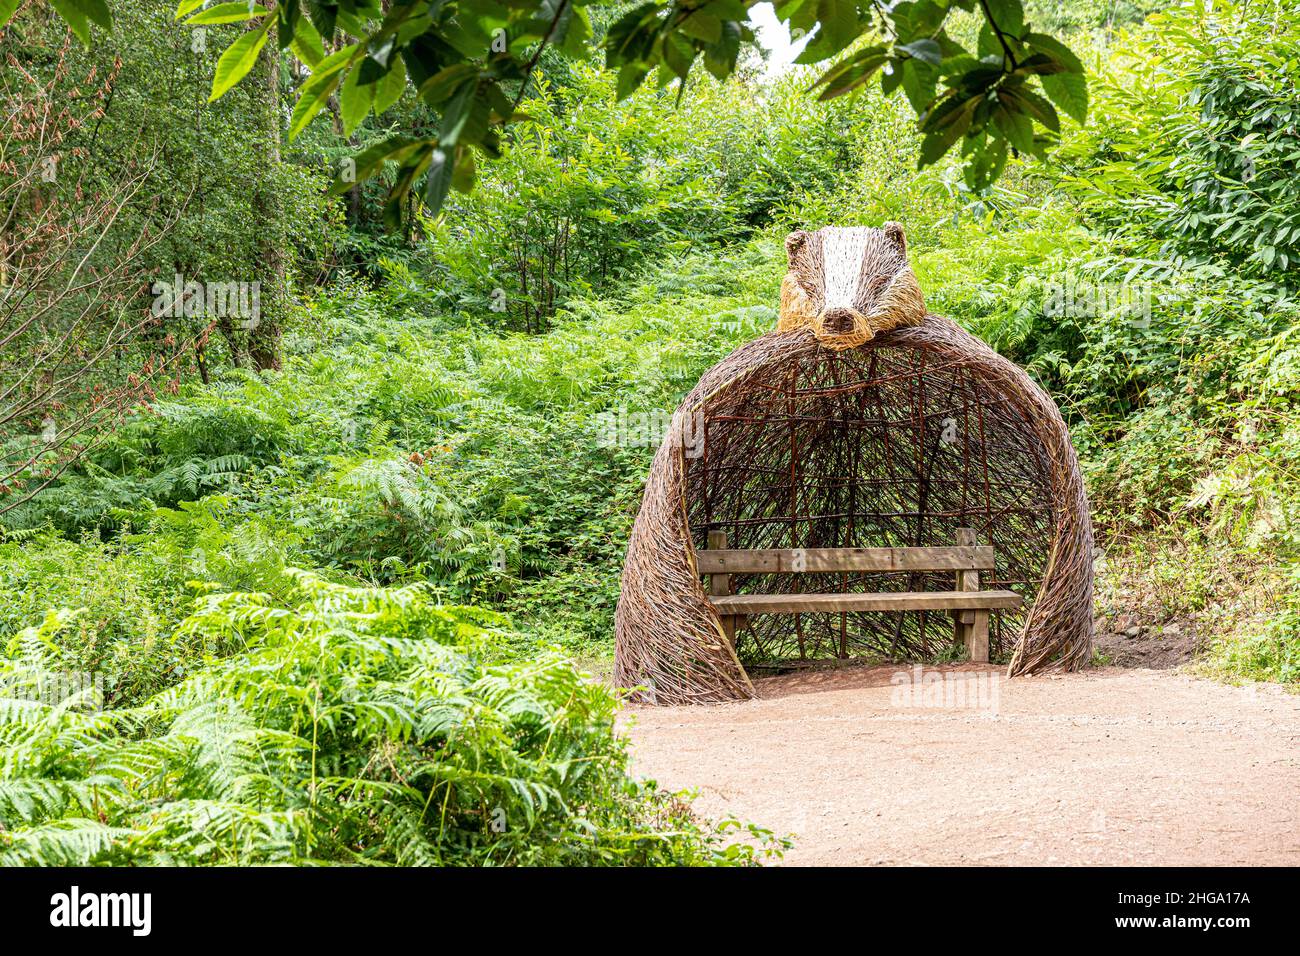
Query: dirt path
[1109, 766]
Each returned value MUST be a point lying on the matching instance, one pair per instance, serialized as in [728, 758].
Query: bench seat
[969, 606]
[750, 604]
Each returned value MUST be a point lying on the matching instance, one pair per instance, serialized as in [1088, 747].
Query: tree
[76, 350]
[264, 335]
[471, 60]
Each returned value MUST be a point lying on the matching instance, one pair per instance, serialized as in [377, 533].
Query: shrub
[360, 725]
[129, 606]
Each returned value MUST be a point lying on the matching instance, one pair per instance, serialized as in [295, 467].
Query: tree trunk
[264, 329]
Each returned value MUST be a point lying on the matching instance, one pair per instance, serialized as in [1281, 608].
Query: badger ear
[894, 233]
[794, 243]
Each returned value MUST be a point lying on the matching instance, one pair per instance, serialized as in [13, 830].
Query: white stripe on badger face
[842, 251]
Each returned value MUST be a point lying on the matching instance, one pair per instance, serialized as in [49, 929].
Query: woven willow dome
[862, 421]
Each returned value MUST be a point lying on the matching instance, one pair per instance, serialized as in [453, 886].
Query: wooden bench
[968, 605]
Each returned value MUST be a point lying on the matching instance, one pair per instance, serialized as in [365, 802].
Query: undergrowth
[355, 725]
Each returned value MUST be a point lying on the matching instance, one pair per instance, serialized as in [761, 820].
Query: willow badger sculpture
[848, 285]
[853, 332]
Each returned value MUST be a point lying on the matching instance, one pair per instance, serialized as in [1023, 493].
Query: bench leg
[962, 622]
[977, 638]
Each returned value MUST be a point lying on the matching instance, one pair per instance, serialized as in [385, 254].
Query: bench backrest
[718, 559]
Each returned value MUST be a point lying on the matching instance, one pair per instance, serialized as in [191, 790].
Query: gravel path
[1109, 766]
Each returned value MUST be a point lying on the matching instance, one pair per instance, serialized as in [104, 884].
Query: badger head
[848, 284]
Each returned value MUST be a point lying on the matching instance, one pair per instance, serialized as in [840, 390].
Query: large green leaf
[924, 49]
[986, 159]
[466, 118]
[1069, 91]
[462, 177]
[1016, 127]
[73, 16]
[324, 16]
[438, 181]
[307, 44]
[390, 89]
[312, 99]
[355, 101]
[702, 26]
[96, 11]
[1057, 50]
[919, 80]
[852, 72]
[946, 124]
[440, 87]
[1027, 101]
[1008, 15]
[315, 93]
[396, 148]
[236, 11]
[720, 57]
[839, 20]
[238, 59]
[577, 33]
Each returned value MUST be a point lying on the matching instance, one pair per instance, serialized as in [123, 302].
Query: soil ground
[1107, 766]
[1125, 642]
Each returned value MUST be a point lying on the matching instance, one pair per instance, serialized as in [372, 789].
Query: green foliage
[405, 450]
[180, 452]
[1078, 15]
[130, 603]
[471, 60]
[1213, 182]
[363, 726]
[213, 196]
[588, 188]
[463, 489]
[1267, 651]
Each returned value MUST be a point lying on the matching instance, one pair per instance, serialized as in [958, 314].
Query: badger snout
[839, 327]
[838, 321]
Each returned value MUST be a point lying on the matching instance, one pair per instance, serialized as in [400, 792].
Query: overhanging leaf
[1055, 49]
[307, 44]
[312, 99]
[74, 17]
[355, 101]
[1069, 91]
[926, 50]
[238, 59]
[397, 148]
[390, 89]
[234, 12]
[315, 93]
[96, 11]
[1030, 102]
[438, 180]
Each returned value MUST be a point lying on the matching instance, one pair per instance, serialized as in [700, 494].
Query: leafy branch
[471, 62]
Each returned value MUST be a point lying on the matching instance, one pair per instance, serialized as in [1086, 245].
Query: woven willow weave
[794, 441]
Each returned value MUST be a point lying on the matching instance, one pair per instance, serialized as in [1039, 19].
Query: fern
[359, 725]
